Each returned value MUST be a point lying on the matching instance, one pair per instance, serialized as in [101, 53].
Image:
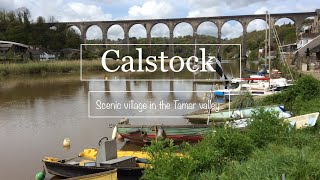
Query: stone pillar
[148, 27]
[126, 36]
[106, 86]
[83, 30]
[219, 25]
[149, 42]
[149, 84]
[219, 35]
[244, 41]
[171, 47]
[195, 41]
[128, 88]
[105, 38]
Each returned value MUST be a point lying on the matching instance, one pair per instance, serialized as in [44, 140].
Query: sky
[108, 10]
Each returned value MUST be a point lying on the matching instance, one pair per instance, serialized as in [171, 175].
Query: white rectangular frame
[133, 117]
[81, 74]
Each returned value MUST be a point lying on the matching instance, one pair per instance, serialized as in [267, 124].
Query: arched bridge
[219, 21]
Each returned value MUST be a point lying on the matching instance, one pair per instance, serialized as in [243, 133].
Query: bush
[301, 98]
[220, 147]
[266, 127]
[275, 161]
[243, 101]
[165, 163]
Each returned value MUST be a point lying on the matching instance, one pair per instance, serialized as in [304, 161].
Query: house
[305, 38]
[13, 51]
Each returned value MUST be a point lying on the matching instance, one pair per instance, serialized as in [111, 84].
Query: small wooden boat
[128, 165]
[108, 175]
[147, 133]
[234, 114]
[306, 120]
[72, 169]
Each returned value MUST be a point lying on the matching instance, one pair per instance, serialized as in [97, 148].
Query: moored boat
[128, 165]
[234, 114]
[179, 133]
[108, 175]
[306, 120]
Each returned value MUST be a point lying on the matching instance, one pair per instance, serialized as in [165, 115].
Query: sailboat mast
[269, 44]
[266, 41]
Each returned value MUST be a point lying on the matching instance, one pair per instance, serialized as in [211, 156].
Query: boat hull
[108, 175]
[233, 114]
[145, 134]
[307, 120]
[68, 170]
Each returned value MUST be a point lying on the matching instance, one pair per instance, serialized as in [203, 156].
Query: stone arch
[159, 30]
[137, 27]
[183, 32]
[232, 26]
[283, 20]
[258, 23]
[115, 32]
[208, 29]
[96, 30]
[75, 28]
[228, 20]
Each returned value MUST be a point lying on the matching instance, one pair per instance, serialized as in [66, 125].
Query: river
[38, 112]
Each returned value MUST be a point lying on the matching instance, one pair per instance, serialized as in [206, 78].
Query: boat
[107, 175]
[68, 170]
[179, 133]
[256, 85]
[128, 165]
[234, 114]
[306, 120]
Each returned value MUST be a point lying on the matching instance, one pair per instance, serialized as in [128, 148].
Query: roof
[3, 43]
[310, 35]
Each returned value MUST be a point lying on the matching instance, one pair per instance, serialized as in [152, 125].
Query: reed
[60, 66]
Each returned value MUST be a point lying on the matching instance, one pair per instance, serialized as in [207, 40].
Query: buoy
[120, 138]
[66, 142]
[40, 175]
[114, 133]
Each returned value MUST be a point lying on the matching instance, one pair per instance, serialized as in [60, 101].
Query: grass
[268, 149]
[59, 66]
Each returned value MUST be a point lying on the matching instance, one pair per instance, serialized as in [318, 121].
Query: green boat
[179, 133]
[233, 114]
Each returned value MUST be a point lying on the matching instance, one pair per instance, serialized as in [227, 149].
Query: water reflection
[37, 113]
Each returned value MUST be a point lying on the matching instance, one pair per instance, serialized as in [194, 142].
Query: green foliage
[266, 127]
[18, 27]
[215, 151]
[253, 56]
[303, 97]
[275, 161]
[166, 164]
[243, 101]
[219, 148]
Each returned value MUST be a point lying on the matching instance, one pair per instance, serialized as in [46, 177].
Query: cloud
[256, 25]
[211, 11]
[7, 4]
[94, 32]
[222, 4]
[151, 9]
[231, 29]
[208, 28]
[138, 31]
[75, 11]
[115, 32]
[183, 29]
[160, 30]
